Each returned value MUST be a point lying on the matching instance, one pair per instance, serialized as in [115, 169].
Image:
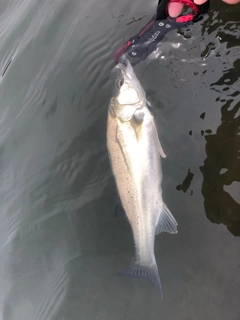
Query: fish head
[128, 93]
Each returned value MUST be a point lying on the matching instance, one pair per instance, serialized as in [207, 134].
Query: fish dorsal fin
[166, 221]
[158, 144]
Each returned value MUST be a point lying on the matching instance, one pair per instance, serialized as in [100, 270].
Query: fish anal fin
[135, 270]
[166, 222]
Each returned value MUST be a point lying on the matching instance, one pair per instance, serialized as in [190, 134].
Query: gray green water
[61, 248]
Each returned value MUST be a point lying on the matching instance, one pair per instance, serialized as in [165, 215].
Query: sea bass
[134, 150]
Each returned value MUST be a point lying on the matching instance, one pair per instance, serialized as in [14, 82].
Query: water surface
[61, 248]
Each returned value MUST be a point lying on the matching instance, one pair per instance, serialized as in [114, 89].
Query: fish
[135, 156]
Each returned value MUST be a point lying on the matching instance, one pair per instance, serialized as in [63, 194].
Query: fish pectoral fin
[166, 221]
[119, 211]
[138, 116]
[158, 144]
[149, 104]
[135, 270]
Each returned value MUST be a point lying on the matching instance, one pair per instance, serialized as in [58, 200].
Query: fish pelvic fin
[166, 221]
[136, 270]
[158, 143]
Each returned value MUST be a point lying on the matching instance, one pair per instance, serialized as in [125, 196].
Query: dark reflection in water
[186, 182]
[222, 165]
[223, 154]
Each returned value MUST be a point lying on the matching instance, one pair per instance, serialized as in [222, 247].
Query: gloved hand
[175, 8]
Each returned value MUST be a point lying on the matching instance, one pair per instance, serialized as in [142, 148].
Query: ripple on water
[37, 293]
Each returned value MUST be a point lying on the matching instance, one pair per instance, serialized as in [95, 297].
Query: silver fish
[134, 151]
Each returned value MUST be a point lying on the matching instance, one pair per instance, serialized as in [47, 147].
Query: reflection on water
[222, 165]
[186, 182]
[221, 168]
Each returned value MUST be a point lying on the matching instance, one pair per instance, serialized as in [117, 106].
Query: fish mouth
[123, 61]
[123, 65]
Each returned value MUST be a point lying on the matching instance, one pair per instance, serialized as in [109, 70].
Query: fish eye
[119, 83]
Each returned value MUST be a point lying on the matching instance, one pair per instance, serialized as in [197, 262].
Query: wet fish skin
[134, 151]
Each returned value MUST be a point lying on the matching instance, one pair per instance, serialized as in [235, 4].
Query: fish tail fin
[136, 270]
[166, 221]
